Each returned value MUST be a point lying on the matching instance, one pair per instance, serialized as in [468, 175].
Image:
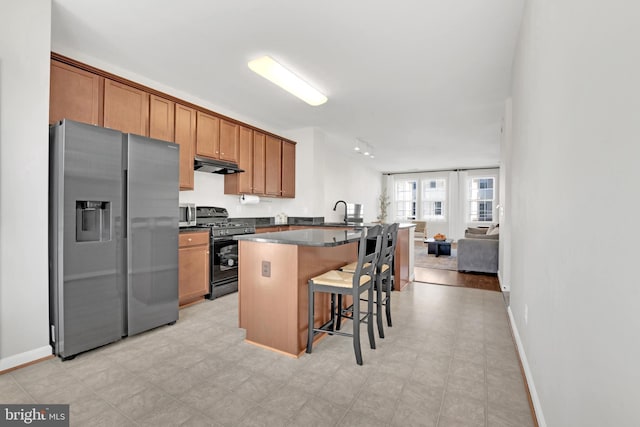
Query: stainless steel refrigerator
[113, 236]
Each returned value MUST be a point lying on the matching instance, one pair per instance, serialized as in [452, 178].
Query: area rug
[442, 262]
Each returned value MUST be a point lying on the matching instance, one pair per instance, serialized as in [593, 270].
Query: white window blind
[434, 198]
[481, 199]
[406, 199]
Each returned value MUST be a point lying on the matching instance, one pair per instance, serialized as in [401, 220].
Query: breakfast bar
[272, 282]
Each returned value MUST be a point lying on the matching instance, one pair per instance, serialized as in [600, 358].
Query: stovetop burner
[216, 219]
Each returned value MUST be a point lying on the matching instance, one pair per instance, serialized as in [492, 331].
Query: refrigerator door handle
[125, 207]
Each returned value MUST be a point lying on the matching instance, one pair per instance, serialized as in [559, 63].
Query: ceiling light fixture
[276, 73]
[363, 147]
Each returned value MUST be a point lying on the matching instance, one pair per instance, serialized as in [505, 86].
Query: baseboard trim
[503, 286]
[7, 363]
[537, 407]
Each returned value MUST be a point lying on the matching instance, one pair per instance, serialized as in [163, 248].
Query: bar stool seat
[339, 278]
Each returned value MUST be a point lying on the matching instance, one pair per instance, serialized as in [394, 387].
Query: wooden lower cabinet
[193, 266]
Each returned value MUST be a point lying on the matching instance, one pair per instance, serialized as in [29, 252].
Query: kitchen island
[274, 269]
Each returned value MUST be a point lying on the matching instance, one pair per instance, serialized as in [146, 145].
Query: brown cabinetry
[273, 166]
[126, 108]
[161, 118]
[75, 94]
[86, 94]
[229, 141]
[288, 169]
[208, 135]
[258, 162]
[185, 132]
[193, 266]
[242, 183]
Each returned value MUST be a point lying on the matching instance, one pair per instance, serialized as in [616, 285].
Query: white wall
[25, 33]
[574, 162]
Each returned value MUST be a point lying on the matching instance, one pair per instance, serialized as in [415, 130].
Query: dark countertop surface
[334, 224]
[190, 229]
[307, 237]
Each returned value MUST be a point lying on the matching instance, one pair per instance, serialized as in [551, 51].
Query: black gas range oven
[223, 249]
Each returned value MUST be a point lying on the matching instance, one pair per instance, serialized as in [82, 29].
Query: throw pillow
[494, 231]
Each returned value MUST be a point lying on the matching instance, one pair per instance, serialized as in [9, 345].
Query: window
[481, 198]
[406, 199]
[434, 196]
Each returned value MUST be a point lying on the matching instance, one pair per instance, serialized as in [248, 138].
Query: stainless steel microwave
[187, 215]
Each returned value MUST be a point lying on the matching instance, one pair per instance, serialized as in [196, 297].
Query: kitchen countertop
[355, 225]
[306, 237]
[192, 229]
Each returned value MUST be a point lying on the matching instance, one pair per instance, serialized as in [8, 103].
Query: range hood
[203, 164]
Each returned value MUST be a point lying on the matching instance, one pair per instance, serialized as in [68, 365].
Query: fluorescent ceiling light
[276, 73]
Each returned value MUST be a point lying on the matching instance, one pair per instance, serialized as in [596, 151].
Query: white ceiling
[422, 81]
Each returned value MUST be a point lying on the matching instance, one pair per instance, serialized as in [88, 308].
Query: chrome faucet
[345, 208]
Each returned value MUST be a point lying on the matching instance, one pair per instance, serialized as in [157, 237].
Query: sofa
[478, 250]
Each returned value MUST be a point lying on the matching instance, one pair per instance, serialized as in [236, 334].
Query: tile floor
[449, 360]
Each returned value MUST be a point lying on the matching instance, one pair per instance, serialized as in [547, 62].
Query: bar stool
[341, 283]
[384, 275]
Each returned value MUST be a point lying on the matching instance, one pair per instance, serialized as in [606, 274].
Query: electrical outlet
[266, 268]
[526, 314]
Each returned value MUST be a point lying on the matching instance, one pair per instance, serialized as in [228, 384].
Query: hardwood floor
[453, 278]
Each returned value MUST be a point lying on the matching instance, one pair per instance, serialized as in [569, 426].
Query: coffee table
[438, 247]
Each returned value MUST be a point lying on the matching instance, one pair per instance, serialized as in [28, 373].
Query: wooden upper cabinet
[208, 135]
[288, 169]
[75, 94]
[245, 160]
[242, 183]
[185, 135]
[161, 118]
[126, 108]
[229, 141]
[258, 162]
[273, 166]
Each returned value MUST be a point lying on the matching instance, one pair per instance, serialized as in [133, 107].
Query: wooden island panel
[401, 261]
[274, 310]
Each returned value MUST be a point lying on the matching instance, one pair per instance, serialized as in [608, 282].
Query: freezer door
[86, 243]
[152, 233]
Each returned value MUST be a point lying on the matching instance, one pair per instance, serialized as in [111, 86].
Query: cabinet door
[161, 118]
[229, 141]
[245, 160]
[126, 108]
[185, 132]
[258, 162]
[288, 169]
[75, 94]
[208, 135]
[242, 183]
[273, 166]
[193, 273]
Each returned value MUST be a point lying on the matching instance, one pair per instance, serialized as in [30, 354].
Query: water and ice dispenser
[93, 221]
